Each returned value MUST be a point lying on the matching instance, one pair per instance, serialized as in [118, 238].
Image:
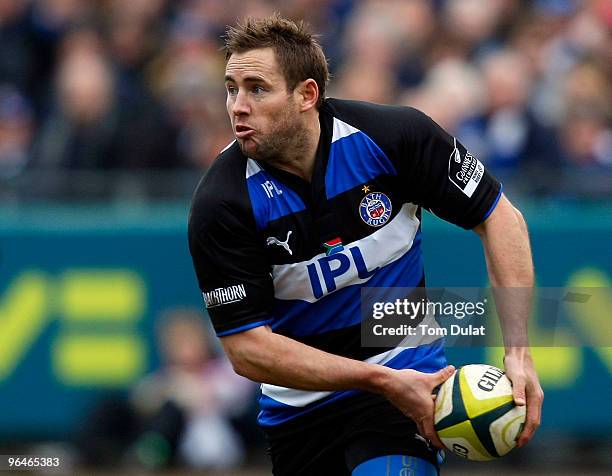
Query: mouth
[242, 132]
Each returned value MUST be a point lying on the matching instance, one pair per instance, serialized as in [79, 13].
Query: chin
[248, 148]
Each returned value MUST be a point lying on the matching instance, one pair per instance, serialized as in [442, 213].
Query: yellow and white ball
[475, 414]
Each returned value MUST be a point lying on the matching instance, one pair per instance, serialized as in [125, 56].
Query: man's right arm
[264, 356]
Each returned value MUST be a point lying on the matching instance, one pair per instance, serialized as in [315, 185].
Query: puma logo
[272, 240]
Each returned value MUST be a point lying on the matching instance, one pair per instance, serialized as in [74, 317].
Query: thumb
[442, 375]
[518, 391]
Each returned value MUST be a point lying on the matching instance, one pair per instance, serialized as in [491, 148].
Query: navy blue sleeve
[232, 270]
[443, 176]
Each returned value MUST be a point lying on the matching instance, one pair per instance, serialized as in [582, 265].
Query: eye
[257, 90]
[232, 90]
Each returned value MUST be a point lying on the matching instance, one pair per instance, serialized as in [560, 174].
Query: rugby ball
[475, 414]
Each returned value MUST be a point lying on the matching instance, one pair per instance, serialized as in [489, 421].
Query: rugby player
[315, 199]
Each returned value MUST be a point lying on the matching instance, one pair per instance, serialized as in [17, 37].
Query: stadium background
[110, 111]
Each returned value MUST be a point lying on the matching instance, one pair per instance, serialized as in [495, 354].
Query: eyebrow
[248, 79]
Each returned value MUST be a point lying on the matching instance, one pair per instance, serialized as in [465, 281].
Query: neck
[299, 159]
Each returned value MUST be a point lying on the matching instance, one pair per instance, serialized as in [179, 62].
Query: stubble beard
[283, 144]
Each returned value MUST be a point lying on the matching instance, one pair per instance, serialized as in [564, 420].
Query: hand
[526, 389]
[411, 392]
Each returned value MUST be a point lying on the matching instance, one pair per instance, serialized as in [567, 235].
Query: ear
[308, 94]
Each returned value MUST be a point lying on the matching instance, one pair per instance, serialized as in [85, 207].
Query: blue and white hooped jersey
[270, 248]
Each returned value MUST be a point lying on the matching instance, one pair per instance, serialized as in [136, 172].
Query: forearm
[263, 356]
[278, 360]
[509, 264]
[508, 253]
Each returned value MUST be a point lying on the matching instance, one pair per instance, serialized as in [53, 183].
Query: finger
[528, 431]
[420, 429]
[429, 432]
[518, 389]
[533, 418]
[441, 376]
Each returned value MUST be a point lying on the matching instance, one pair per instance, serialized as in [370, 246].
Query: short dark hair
[297, 49]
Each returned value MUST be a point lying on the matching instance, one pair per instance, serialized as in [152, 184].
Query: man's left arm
[442, 176]
[508, 255]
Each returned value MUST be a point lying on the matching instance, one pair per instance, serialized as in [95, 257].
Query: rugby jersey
[270, 248]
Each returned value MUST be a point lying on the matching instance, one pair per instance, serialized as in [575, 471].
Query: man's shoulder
[381, 120]
[224, 176]
[222, 189]
[369, 111]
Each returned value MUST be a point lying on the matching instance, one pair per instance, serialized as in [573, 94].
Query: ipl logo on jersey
[375, 209]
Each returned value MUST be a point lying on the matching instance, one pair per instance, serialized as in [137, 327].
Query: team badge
[333, 246]
[375, 209]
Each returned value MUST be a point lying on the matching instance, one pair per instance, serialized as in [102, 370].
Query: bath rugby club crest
[375, 209]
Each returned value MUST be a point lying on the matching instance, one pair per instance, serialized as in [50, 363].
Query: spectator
[507, 136]
[451, 93]
[91, 126]
[16, 127]
[191, 399]
[587, 136]
[17, 62]
[184, 81]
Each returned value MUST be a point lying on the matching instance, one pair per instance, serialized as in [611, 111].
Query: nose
[240, 105]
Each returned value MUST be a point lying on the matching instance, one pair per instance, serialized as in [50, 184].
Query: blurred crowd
[98, 85]
[192, 411]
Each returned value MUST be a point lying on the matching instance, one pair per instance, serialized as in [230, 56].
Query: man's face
[265, 118]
